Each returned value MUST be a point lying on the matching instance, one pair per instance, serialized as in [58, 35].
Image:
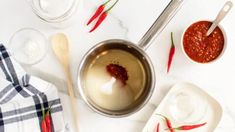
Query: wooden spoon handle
[73, 100]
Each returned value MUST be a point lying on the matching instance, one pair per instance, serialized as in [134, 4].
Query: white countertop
[129, 20]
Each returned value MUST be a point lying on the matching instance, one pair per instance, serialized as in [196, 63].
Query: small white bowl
[195, 62]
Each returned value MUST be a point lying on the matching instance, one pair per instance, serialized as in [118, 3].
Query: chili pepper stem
[111, 6]
[105, 3]
[172, 40]
[49, 109]
[162, 116]
[43, 114]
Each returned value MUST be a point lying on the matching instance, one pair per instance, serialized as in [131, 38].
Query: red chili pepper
[48, 120]
[168, 123]
[43, 126]
[43, 123]
[102, 17]
[171, 54]
[189, 127]
[98, 12]
[100, 20]
[158, 127]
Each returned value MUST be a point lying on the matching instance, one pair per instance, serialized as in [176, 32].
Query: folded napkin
[24, 97]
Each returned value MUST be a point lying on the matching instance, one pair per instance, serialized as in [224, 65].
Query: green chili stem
[111, 6]
[172, 40]
[106, 3]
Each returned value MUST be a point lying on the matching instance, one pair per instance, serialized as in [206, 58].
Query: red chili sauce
[202, 48]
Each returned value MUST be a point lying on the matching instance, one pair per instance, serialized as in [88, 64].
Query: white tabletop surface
[129, 20]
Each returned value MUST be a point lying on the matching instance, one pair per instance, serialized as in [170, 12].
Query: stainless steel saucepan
[139, 52]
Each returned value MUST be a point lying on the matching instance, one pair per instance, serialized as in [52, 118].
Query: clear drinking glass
[58, 13]
[28, 46]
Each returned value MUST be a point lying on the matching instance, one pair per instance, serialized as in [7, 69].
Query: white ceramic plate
[186, 104]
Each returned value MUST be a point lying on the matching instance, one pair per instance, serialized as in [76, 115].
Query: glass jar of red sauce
[201, 48]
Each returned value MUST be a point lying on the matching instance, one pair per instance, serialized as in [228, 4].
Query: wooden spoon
[60, 47]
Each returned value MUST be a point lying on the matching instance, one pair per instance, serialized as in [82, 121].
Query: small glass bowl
[28, 46]
[53, 13]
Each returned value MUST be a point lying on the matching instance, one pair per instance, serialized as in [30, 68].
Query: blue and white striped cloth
[23, 97]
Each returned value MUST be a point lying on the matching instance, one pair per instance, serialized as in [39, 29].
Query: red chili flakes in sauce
[202, 48]
[118, 72]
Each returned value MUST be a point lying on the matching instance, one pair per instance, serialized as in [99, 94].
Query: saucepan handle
[160, 23]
